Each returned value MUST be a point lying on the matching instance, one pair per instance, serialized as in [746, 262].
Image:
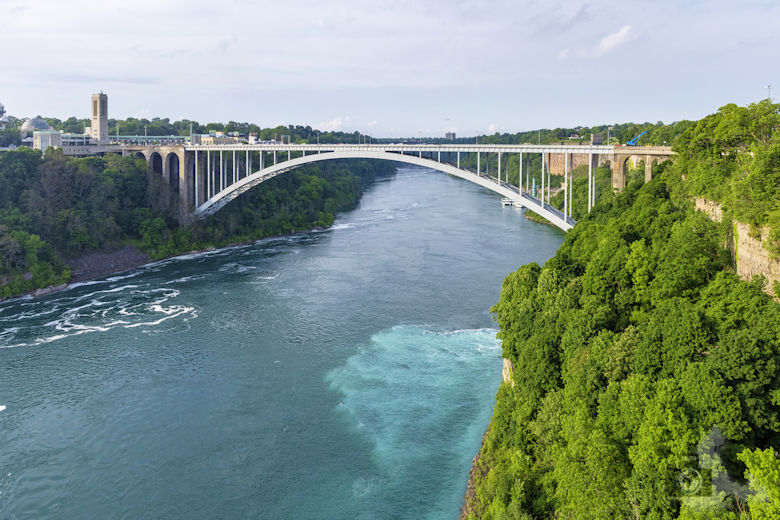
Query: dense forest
[165, 127]
[658, 133]
[55, 208]
[646, 374]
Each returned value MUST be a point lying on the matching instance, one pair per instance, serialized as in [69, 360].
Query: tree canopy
[646, 373]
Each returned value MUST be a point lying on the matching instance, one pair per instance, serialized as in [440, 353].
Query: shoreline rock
[101, 264]
[37, 293]
[470, 498]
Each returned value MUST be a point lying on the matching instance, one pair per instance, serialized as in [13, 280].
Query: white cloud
[611, 41]
[372, 123]
[335, 124]
[408, 64]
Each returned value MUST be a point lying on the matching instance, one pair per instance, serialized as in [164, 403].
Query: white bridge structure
[208, 176]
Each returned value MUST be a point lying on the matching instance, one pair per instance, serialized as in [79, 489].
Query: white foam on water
[338, 227]
[2, 409]
[184, 279]
[123, 276]
[236, 268]
[83, 284]
[424, 399]
[127, 306]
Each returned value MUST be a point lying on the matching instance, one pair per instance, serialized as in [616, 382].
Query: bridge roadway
[202, 173]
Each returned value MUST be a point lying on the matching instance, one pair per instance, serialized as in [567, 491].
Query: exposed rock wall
[506, 372]
[750, 256]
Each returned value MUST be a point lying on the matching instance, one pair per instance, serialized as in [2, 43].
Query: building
[34, 124]
[214, 139]
[43, 139]
[98, 129]
[449, 136]
[76, 140]
[596, 139]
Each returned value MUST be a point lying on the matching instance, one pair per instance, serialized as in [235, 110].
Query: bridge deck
[433, 148]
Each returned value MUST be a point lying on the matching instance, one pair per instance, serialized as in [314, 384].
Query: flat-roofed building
[218, 139]
[76, 140]
[43, 139]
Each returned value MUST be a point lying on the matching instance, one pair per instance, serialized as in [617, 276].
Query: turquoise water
[348, 373]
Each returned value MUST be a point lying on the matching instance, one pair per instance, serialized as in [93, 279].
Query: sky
[390, 68]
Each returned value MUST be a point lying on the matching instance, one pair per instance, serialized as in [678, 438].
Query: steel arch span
[218, 200]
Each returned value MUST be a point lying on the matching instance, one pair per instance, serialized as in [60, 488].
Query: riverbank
[92, 266]
[649, 311]
[100, 264]
[49, 253]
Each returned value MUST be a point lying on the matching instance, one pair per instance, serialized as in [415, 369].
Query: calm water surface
[348, 373]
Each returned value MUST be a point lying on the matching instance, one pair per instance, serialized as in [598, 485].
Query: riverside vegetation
[645, 372]
[54, 209]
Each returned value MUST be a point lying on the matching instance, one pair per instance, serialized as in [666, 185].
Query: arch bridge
[208, 176]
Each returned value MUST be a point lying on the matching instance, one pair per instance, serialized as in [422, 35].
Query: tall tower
[99, 127]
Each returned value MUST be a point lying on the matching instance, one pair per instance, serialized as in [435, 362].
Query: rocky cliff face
[478, 471]
[749, 254]
[506, 372]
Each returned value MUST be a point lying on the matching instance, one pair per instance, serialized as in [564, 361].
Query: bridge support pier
[166, 172]
[566, 186]
[542, 184]
[520, 172]
[570, 160]
[618, 163]
[648, 168]
[185, 188]
[591, 183]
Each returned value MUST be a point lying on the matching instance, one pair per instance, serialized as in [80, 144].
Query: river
[346, 373]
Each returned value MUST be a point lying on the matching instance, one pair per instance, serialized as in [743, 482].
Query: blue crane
[633, 141]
